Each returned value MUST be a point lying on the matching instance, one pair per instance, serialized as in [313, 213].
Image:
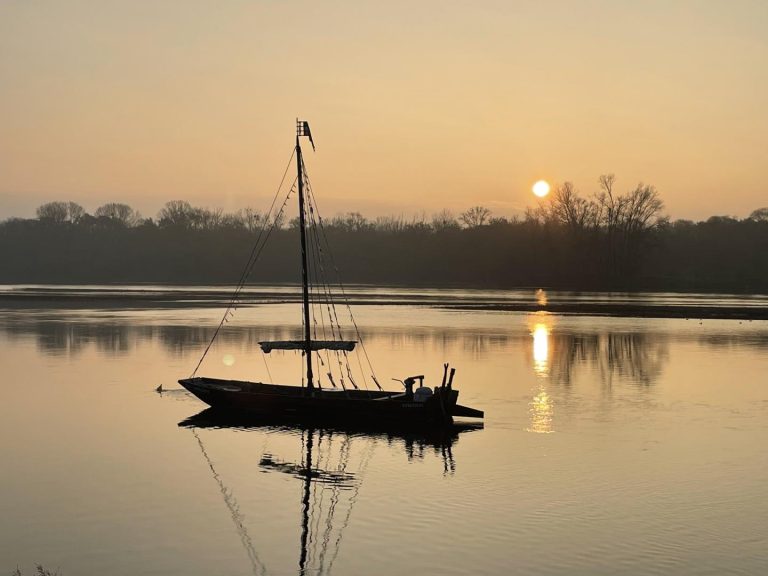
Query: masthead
[302, 129]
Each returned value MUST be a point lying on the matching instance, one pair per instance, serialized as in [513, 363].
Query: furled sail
[314, 345]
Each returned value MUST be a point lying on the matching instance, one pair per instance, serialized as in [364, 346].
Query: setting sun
[541, 188]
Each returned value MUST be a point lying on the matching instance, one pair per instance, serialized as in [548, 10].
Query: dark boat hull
[326, 405]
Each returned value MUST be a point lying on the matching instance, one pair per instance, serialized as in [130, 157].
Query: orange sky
[415, 106]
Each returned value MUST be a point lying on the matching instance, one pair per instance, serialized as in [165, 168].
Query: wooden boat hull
[335, 406]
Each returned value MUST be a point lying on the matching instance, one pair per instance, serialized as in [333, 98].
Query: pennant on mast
[302, 129]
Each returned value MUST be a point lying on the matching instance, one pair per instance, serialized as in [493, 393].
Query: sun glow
[541, 188]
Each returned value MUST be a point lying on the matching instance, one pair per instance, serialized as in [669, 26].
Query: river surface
[610, 445]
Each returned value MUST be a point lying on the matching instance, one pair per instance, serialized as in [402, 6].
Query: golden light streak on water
[541, 410]
[541, 407]
[541, 349]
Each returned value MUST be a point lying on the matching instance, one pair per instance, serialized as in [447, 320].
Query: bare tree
[642, 210]
[53, 212]
[208, 218]
[75, 212]
[60, 212]
[419, 222]
[252, 219]
[390, 223]
[626, 220]
[630, 214]
[278, 220]
[475, 216]
[120, 213]
[351, 222]
[444, 220]
[233, 221]
[565, 207]
[176, 213]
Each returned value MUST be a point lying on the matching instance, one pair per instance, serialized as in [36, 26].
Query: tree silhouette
[60, 212]
[119, 213]
[252, 219]
[759, 215]
[75, 212]
[626, 219]
[444, 220]
[603, 241]
[475, 216]
[565, 207]
[351, 222]
[53, 212]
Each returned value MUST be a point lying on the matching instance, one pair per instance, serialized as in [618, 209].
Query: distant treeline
[607, 241]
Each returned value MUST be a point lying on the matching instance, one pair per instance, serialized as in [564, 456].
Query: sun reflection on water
[541, 407]
[541, 349]
[541, 410]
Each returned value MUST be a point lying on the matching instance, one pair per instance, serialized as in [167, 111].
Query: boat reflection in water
[330, 483]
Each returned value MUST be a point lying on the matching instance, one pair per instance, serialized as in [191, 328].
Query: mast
[302, 129]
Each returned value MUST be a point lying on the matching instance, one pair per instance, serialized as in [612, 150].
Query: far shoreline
[667, 304]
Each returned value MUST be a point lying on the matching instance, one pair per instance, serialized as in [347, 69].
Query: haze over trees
[607, 240]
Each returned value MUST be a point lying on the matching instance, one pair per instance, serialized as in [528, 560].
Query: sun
[541, 188]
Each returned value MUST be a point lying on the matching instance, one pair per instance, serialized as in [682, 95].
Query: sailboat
[311, 401]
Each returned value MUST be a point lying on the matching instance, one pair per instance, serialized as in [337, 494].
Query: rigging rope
[269, 374]
[256, 251]
[319, 225]
[320, 280]
[335, 494]
[236, 297]
[234, 510]
[335, 325]
[317, 503]
[361, 470]
[320, 286]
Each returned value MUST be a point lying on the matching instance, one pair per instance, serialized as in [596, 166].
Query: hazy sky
[415, 106]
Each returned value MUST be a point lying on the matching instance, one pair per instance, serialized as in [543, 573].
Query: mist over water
[610, 444]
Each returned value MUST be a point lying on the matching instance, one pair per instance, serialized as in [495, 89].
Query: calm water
[610, 445]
